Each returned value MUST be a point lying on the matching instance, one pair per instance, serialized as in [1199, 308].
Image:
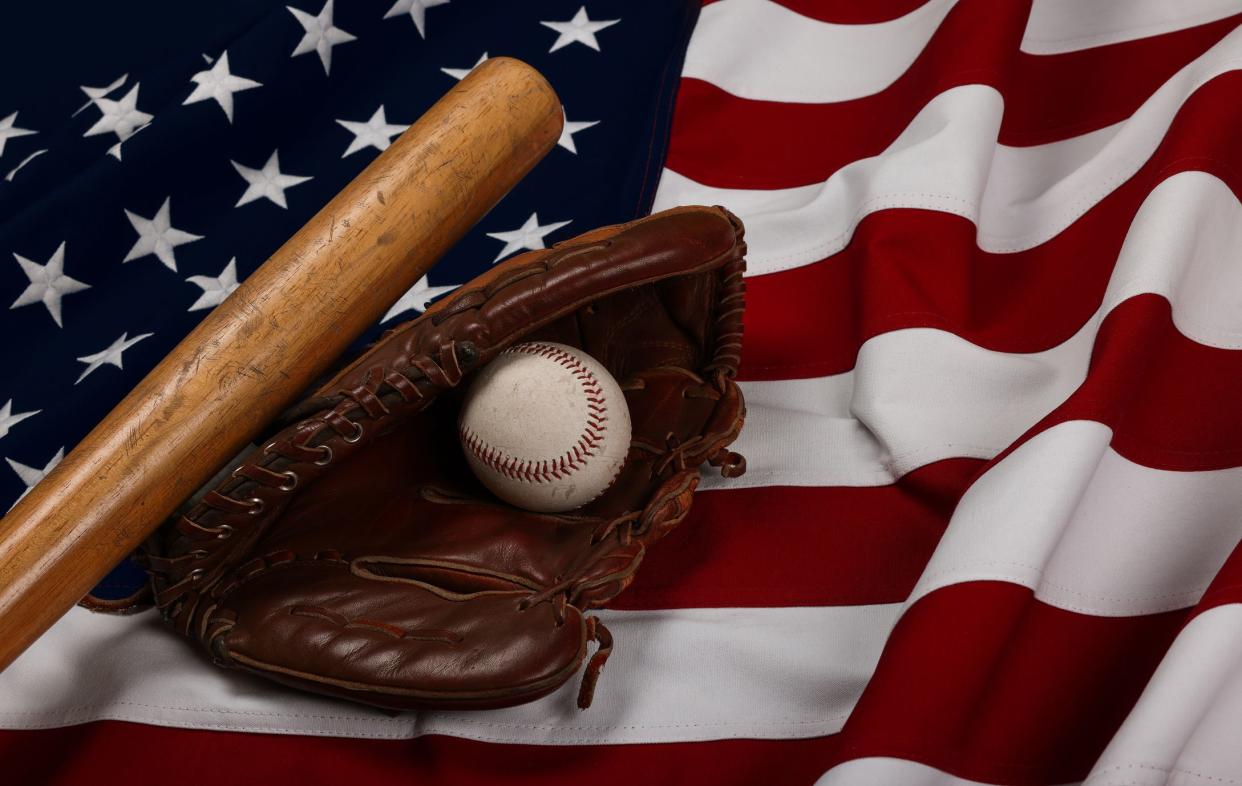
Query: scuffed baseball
[545, 427]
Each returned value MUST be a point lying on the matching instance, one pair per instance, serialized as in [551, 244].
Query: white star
[268, 182]
[156, 235]
[528, 236]
[7, 130]
[48, 283]
[569, 129]
[580, 29]
[417, 9]
[218, 84]
[215, 290]
[115, 150]
[376, 132]
[460, 73]
[25, 161]
[95, 93]
[321, 35]
[122, 117]
[31, 476]
[417, 298]
[8, 420]
[110, 355]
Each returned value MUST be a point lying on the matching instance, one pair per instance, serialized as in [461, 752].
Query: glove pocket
[391, 642]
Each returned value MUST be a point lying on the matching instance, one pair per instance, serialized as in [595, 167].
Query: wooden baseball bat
[268, 341]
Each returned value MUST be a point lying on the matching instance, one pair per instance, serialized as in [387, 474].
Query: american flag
[990, 530]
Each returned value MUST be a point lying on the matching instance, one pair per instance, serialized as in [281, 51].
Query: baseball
[545, 427]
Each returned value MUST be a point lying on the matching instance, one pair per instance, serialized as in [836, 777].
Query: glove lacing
[344, 420]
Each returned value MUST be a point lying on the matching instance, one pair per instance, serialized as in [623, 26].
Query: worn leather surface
[355, 554]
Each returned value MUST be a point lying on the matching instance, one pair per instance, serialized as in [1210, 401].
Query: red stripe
[985, 682]
[134, 755]
[1053, 97]
[722, 140]
[849, 12]
[1171, 402]
[913, 268]
[802, 546]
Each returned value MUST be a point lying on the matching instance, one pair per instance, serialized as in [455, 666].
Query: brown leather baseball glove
[354, 554]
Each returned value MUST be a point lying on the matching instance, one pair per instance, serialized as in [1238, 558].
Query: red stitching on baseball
[573, 459]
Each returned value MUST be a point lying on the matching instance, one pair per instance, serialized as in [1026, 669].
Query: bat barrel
[268, 341]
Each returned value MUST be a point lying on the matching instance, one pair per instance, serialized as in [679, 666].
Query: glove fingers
[394, 642]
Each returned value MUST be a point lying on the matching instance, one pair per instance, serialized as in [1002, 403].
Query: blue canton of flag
[152, 155]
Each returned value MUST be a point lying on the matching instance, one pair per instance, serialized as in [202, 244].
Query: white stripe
[1186, 728]
[939, 162]
[687, 674]
[823, 62]
[883, 771]
[1088, 530]
[760, 49]
[915, 397]
[947, 159]
[1056, 26]
[1183, 244]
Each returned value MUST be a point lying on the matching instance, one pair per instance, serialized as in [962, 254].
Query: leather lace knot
[601, 635]
[595, 631]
